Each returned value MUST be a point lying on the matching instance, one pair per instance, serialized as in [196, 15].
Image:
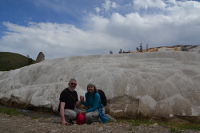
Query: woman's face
[90, 89]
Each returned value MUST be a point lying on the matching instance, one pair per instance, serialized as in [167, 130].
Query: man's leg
[70, 115]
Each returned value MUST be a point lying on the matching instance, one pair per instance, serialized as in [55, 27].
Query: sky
[64, 28]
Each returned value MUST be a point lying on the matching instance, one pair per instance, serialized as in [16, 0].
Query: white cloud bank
[156, 22]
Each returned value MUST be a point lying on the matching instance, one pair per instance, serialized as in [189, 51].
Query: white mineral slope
[160, 84]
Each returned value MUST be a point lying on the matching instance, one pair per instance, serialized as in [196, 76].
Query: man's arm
[62, 113]
[78, 104]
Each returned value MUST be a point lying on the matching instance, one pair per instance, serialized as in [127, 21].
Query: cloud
[55, 40]
[168, 27]
[176, 22]
[97, 9]
[149, 4]
[108, 4]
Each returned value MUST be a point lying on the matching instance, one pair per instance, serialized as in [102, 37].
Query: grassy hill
[11, 61]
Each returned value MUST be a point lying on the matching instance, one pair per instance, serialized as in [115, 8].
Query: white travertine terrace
[154, 84]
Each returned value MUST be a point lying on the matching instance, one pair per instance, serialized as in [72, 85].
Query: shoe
[70, 122]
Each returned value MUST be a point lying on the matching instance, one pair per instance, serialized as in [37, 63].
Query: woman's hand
[81, 98]
[83, 112]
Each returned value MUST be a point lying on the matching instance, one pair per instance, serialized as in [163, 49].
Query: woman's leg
[92, 117]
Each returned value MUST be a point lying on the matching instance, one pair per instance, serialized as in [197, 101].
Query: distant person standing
[68, 101]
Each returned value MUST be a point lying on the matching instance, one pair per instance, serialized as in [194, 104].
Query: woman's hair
[95, 89]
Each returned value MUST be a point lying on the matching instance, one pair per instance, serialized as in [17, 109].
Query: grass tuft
[8, 111]
[35, 117]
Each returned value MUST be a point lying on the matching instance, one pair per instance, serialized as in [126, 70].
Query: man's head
[72, 84]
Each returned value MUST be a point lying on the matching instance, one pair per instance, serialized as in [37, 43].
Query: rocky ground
[24, 124]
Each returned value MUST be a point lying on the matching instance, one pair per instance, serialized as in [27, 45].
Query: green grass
[136, 122]
[11, 61]
[173, 126]
[9, 111]
[175, 130]
[178, 128]
[35, 117]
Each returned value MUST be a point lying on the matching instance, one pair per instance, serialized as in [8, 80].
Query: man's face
[72, 84]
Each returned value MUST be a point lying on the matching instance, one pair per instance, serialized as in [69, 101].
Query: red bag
[80, 119]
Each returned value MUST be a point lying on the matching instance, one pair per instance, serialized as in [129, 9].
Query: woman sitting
[93, 102]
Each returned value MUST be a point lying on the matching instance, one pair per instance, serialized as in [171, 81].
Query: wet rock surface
[24, 124]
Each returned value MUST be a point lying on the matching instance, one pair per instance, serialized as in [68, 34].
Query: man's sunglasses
[73, 84]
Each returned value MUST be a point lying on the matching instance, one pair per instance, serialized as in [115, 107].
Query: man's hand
[64, 123]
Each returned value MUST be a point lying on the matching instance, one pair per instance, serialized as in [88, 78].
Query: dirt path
[23, 124]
